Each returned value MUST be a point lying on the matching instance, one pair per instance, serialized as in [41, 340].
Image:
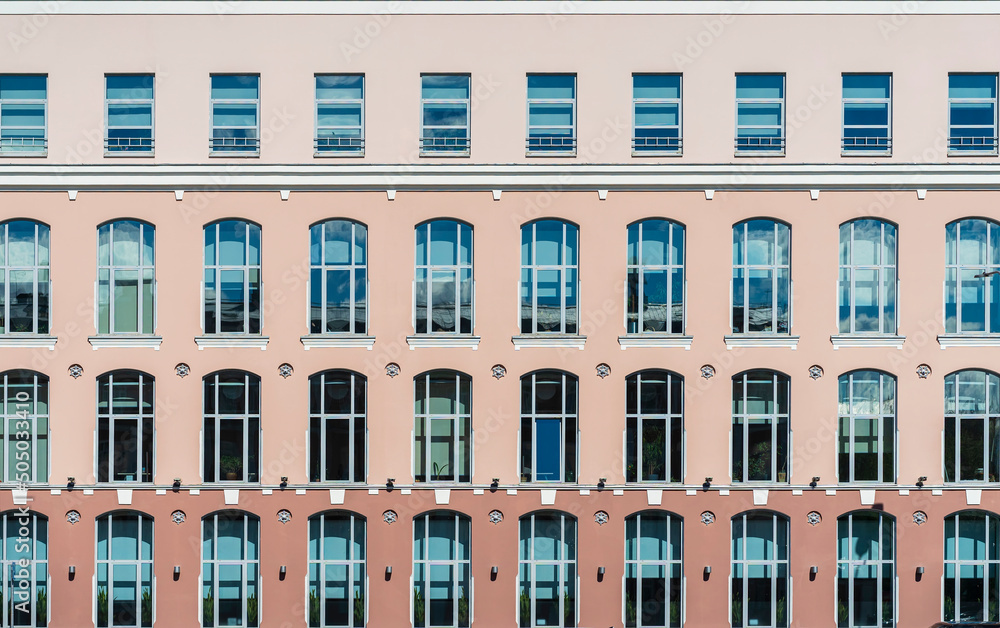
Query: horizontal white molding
[28, 342]
[320, 341]
[858, 340]
[432, 341]
[231, 342]
[750, 340]
[494, 7]
[489, 177]
[139, 342]
[658, 341]
[968, 340]
[559, 341]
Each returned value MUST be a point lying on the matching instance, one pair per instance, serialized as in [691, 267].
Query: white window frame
[639, 270]
[24, 413]
[563, 269]
[353, 268]
[988, 272]
[986, 564]
[762, 145]
[666, 565]
[847, 438]
[455, 565]
[140, 269]
[356, 420]
[138, 563]
[422, 469]
[955, 144]
[772, 418]
[530, 416]
[457, 270]
[955, 382]
[112, 417]
[773, 563]
[339, 146]
[215, 418]
[352, 564]
[562, 564]
[848, 565]
[11, 566]
[250, 146]
[883, 268]
[850, 146]
[244, 564]
[639, 417]
[774, 268]
[537, 147]
[39, 146]
[38, 270]
[668, 146]
[217, 269]
[134, 146]
[439, 146]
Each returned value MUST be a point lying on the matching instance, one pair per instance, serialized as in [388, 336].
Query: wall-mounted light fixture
[601, 482]
[813, 570]
[493, 572]
[494, 485]
[708, 482]
[72, 571]
[282, 572]
[708, 571]
[388, 571]
[815, 481]
[920, 571]
[284, 481]
[177, 572]
[389, 483]
[921, 480]
[70, 481]
[177, 482]
[600, 571]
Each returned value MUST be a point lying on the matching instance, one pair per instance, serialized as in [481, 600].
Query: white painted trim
[110, 341]
[968, 340]
[858, 340]
[518, 177]
[555, 341]
[228, 342]
[320, 341]
[775, 340]
[658, 341]
[494, 7]
[436, 341]
[28, 342]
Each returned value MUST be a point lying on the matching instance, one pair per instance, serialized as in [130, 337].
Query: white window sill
[330, 341]
[968, 340]
[553, 340]
[434, 340]
[658, 341]
[110, 341]
[231, 342]
[754, 340]
[27, 342]
[859, 340]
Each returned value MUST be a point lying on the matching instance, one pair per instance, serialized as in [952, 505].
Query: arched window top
[761, 242]
[547, 535]
[231, 535]
[760, 535]
[549, 373]
[337, 513]
[544, 392]
[337, 391]
[125, 392]
[24, 243]
[972, 392]
[972, 242]
[442, 392]
[760, 391]
[232, 392]
[549, 242]
[443, 242]
[124, 512]
[338, 242]
[24, 389]
[125, 242]
[873, 219]
[867, 391]
[654, 391]
[232, 242]
[337, 535]
[125, 535]
[867, 242]
[653, 535]
[655, 242]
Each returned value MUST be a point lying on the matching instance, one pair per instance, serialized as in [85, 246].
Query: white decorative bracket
[921, 195]
[602, 195]
[709, 194]
[496, 194]
[814, 195]
[178, 195]
[390, 194]
[72, 194]
[284, 194]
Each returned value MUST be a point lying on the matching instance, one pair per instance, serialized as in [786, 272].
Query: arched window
[760, 426]
[443, 286]
[971, 567]
[125, 278]
[971, 426]
[761, 277]
[442, 449]
[24, 277]
[442, 593]
[25, 428]
[232, 427]
[338, 443]
[232, 278]
[654, 419]
[867, 430]
[125, 570]
[550, 282]
[653, 570]
[867, 294]
[760, 595]
[337, 577]
[866, 570]
[547, 570]
[338, 277]
[230, 554]
[548, 427]
[972, 276]
[655, 284]
[125, 406]
[24, 569]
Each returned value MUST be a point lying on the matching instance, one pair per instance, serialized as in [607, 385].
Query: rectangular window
[235, 114]
[867, 114]
[23, 114]
[340, 115]
[551, 114]
[444, 114]
[128, 110]
[760, 114]
[972, 114]
[656, 114]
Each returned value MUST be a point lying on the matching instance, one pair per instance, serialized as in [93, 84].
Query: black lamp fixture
[493, 572]
[708, 483]
[282, 572]
[177, 572]
[70, 482]
[389, 483]
[494, 485]
[284, 481]
[72, 572]
[388, 572]
[814, 482]
[921, 480]
[177, 483]
[600, 483]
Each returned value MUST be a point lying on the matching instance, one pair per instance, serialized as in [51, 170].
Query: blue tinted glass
[235, 86]
[866, 86]
[445, 87]
[22, 86]
[130, 87]
[760, 85]
[972, 86]
[551, 85]
[339, 86]
[656, 85]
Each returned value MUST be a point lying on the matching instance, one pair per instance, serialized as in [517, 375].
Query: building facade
[504, 314]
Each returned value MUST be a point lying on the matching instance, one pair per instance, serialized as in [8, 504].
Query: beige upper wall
[498, 50]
